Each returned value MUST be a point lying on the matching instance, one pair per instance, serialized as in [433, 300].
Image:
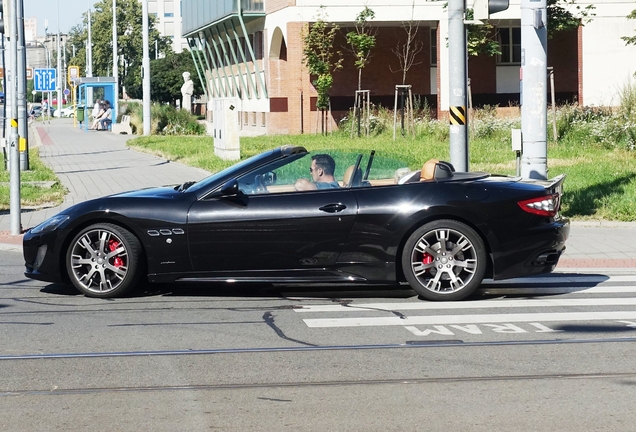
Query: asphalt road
[550, 353]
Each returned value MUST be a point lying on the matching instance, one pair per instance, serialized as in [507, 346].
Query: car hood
[155, 192]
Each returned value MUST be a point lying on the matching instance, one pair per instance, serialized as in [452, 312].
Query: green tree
[166, 77]
[362, 40]
[318, 57]
[408, 49]
[562, 15]
[567, 15]
[630, 40]
[129, 42]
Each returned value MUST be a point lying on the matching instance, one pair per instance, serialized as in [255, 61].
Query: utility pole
[534, 94]
[458, 88]
[89, 55]
[12, 86]
[145, 68]
[115, 62]
[23, 141]
[60, 78]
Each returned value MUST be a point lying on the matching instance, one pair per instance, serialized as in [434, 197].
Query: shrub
[165, 120]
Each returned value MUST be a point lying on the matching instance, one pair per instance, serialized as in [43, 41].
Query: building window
[168, 29]
[258, 45]
[152, 7]
[241, 43]
[168, 9]
[433, 34]
[248, 54]
[510, 42]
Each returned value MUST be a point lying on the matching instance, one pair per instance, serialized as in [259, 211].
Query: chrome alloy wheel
[444, 260]
[99, 260]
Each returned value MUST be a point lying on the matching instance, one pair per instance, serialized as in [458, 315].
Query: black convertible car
[375, 222]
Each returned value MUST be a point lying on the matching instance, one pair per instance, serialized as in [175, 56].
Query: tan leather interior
[348, 176]
[428, 170]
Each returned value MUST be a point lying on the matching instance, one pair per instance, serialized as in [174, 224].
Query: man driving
[321, 170]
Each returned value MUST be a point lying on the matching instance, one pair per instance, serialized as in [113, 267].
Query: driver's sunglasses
[311, 169]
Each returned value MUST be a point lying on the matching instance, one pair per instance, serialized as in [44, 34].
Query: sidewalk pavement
[91, 164]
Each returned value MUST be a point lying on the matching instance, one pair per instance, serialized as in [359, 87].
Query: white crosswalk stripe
[395, 312]
[470, 319]
[480, 304]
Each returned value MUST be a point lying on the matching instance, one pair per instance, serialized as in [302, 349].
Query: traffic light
[484, 8]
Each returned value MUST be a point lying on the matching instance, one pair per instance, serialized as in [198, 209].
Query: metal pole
[146, 68]
[115, 62]
[457, 94]
[534, 95]
[23, 129]
[60, 78]
[553, 98]
[14, 189]
[89, 55]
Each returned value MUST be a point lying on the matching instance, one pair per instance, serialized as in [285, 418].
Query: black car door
[295, 230]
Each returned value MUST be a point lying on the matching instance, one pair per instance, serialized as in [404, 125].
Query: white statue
[186, 91]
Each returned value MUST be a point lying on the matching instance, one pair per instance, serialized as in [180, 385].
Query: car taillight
[543, 206]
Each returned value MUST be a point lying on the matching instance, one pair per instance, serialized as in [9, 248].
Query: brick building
[251, 50]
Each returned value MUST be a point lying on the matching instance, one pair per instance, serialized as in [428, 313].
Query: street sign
[45, 80]
[29, 73]
[67, 92]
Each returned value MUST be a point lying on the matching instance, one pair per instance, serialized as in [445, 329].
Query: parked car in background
[35, 110]
[64, 112]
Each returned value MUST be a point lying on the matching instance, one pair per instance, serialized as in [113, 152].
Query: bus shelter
[85, 98]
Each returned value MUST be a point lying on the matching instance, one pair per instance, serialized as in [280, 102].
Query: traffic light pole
[458, 88]
[534, 94]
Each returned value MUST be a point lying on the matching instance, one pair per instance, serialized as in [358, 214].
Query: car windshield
[288, 174]
[205, 183]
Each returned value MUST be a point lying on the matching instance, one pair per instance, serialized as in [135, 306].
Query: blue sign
[44, 80]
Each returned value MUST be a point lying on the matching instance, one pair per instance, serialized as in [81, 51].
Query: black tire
[451, 269]
[104, 260]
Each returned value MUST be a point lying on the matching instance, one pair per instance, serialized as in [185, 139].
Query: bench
[123, 126]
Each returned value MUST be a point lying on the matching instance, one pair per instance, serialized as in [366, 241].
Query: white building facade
[168, 13]
[251, 50]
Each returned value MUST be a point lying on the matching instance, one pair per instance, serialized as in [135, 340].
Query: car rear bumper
[542, 247]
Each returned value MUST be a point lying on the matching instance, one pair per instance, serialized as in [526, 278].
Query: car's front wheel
[104, 260]
[444, 260]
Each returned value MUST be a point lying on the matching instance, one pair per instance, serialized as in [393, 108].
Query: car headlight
[50, 224]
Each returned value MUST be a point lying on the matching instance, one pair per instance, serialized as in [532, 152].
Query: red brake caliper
[427, 258]
[112, 246]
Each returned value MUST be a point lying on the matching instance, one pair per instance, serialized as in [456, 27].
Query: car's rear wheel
[444, 260]
[104, 260]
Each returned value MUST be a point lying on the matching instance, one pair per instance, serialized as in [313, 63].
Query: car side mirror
[231, 188]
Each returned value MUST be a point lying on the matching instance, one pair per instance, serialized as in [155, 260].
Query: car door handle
[333, 208]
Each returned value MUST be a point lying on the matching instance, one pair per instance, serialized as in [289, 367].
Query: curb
[602, 224]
